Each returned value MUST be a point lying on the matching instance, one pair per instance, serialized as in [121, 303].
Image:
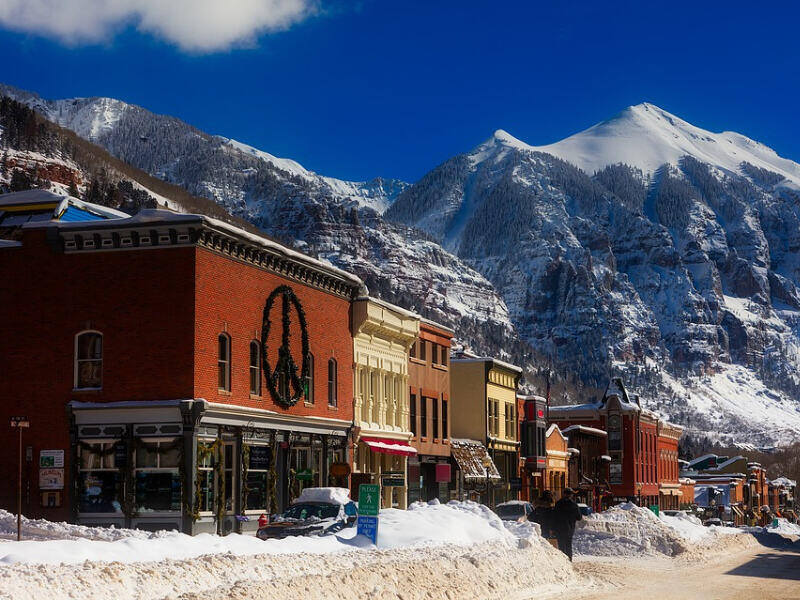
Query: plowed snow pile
[630, 530]
[459, 550]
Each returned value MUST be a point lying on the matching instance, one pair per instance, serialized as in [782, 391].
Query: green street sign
[369, 499]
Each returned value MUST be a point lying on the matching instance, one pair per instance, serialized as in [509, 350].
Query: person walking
[543, 513]
[565, 514]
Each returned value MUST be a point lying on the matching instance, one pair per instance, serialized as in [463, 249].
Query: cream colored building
[382, 336]
[485, 394]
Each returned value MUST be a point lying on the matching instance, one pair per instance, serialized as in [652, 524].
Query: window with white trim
[333, 382]
[224, 362]
[99, 478]
[309, 383]
[88, 360]
[255, 368]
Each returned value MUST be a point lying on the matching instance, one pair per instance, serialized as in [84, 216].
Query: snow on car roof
[328, 495]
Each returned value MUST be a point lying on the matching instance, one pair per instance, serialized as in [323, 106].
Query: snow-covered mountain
[681, 274]
[647, 137]
[129, 131]
[644, 246]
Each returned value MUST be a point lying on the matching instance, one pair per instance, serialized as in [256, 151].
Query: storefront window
[205, 467]
[158, 483]
[259, 461]
[100, 479]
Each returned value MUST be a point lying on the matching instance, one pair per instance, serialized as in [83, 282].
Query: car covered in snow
[317, 511]
[514, 510]
[713, 521]
[585, 509]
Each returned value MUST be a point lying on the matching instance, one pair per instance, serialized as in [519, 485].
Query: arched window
[88, 360]
[309, 385]
[224, 362]
[333, 381]
[255, 368]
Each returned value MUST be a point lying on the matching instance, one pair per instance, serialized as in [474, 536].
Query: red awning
[388, 446]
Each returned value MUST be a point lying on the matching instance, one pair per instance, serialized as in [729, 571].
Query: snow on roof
[701, 459]
[390, 306]
[63, 202]
[496, 361]
[585, 429]
[552, 427]
[437, 325]
[727, 462]
[522, 396]
[10, 244]
[784, 481]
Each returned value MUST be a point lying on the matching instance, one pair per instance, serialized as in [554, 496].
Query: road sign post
[20, 423]
[369, 502]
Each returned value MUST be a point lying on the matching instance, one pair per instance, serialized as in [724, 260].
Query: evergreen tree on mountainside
[20, 181]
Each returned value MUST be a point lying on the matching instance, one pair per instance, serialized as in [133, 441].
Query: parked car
[318, 511]
[713, 521]
[672, 513]
[585, 509]
[514, 510]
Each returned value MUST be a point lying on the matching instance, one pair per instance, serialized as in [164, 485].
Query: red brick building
[429, 472]
[632, 442]
[146, 354]
[669, 487]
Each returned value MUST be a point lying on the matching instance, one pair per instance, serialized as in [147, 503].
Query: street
[761, 572]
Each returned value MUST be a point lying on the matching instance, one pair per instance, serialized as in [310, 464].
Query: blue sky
[392, 88]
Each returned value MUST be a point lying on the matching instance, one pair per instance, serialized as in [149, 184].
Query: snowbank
[630, 530]
[626, 530]
[784, 527]
[463, 523]
[458, 550]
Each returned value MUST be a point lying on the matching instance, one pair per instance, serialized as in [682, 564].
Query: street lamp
[20, 423]
[487, 462]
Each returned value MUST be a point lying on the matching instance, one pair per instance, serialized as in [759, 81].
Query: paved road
[761, 573]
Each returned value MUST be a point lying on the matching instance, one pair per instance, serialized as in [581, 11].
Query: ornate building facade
[382, 336]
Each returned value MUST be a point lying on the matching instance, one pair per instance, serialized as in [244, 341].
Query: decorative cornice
[198, 231]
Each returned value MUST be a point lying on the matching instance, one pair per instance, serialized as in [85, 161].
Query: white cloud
[192, 25]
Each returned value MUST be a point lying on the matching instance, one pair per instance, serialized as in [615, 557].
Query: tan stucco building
[486, 393]
[382, 336]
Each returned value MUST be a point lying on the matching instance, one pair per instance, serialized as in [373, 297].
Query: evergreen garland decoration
[285, 365]
[245, 466]
[204, 451]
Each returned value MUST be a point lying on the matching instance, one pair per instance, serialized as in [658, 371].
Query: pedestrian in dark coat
[565, 514]
[543, 513]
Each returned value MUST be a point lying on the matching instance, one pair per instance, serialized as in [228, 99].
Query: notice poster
[51, 479]
[51, 458]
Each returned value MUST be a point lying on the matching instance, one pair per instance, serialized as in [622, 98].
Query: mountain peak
[647, 137]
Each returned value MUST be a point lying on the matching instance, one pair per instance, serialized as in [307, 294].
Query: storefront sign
[443, 473]
[304, 475]
[51, 459]
[51, 479]
[120, 455]
[259, 458]
[368, 526]
[369, 499]
[340, 469]
[393, 479]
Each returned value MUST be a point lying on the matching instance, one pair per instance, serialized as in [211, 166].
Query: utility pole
[20, 423]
